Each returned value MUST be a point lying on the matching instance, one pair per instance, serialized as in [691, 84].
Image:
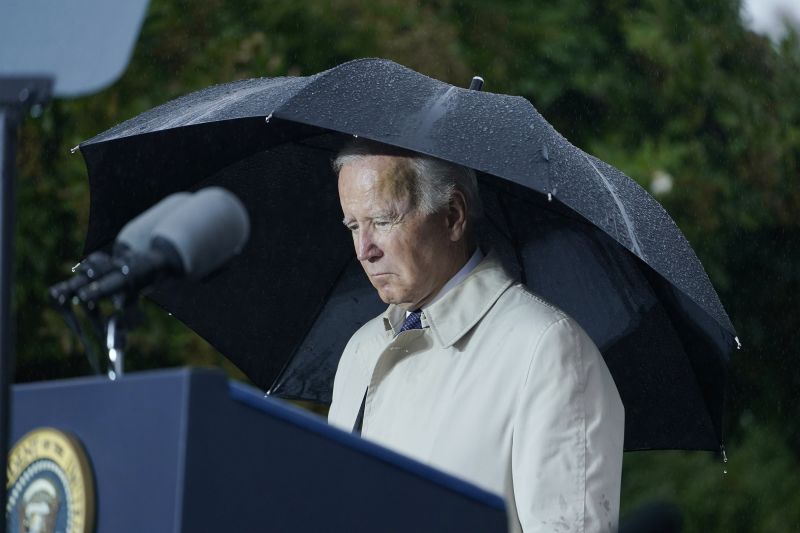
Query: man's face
[408, 256]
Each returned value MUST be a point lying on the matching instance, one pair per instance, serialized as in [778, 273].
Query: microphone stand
[115, 343]
[124, 317]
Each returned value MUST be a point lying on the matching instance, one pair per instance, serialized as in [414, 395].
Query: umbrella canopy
[576, 230]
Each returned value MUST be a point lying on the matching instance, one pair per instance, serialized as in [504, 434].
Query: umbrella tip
[476, 83]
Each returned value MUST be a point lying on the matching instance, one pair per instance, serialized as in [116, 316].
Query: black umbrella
[575, 229]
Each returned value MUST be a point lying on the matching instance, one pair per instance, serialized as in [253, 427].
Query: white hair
[434, 180]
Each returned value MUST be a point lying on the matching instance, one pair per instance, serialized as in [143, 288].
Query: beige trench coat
[499, 388]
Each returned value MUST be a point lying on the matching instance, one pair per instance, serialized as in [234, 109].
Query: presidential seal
[50, 487]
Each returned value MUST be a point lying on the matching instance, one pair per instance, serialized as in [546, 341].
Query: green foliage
[757, 490]
[655, 87]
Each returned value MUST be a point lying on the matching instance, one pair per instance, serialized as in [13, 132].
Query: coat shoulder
[519, 303]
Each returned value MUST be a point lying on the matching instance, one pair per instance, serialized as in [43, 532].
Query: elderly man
[466, 370]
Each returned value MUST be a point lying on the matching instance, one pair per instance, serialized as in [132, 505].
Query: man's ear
[457, 216]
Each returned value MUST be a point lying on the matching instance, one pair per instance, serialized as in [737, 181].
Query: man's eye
[384, 223]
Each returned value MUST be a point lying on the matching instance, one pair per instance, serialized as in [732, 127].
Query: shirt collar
[456, 310]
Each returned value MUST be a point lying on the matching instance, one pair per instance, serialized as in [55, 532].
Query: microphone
[204, 233]
[197, 237]
[97, 265]
[135, 236]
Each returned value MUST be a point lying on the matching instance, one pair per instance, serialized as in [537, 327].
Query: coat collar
[463, 306]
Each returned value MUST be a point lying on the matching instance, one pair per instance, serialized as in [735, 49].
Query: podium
[187, 451]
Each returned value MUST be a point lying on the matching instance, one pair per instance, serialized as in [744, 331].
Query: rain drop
[75, 267]
[738, 344]
[724, 460]
[74, 149]
[266, 120]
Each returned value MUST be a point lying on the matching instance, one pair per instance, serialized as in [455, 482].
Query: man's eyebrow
[388, 214]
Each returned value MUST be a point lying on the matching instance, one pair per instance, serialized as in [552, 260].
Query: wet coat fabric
[499, 388]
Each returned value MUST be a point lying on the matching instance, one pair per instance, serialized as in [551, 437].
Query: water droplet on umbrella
[724, 459]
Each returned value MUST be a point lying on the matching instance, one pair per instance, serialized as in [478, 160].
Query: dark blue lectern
[187, 451]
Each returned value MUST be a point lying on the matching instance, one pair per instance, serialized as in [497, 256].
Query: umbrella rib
[289, 360]
[513, 238]
[496, 226]
[494, 223]
[705, 414]
[620, 206]
[317, 148]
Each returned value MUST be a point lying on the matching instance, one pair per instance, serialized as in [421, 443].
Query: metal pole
[9, 120]
[16, 96]
[115, 342]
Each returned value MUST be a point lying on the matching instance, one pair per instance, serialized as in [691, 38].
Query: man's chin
[388, 296]
[402, 303]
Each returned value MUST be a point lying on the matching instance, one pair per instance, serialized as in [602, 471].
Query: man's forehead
[376, 165]
[386, 180]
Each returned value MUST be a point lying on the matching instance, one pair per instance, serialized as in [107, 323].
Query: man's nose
[366, 248]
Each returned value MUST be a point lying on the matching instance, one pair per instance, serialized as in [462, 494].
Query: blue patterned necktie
[412, 321]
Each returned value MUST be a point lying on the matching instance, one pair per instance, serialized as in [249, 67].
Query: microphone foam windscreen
[205, 231]
[135, 235]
